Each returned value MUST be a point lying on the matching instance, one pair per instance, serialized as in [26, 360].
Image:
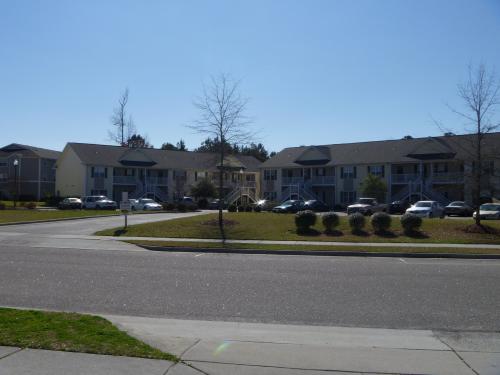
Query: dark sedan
[458, 208]
[292, 206]
[70, 203]
[398, 207]
[316, 206]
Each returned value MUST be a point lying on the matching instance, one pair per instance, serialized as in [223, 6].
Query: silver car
[427, 209]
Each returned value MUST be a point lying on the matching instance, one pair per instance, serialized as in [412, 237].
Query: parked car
[70, 203]
[292, 206]
[98, 202]
[366, 206]
[214, 204]
[265, 204]
[427, 209]
[148, 204]
[398, 207]
[133, 204]
[458, 208]
[316, 206]
[489, 211]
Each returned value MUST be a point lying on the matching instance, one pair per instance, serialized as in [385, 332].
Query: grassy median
[22, 215]
[270, 226]
[70, 332]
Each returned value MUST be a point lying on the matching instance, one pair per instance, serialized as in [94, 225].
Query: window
[99, 172]
[347, 196]
[440, 168]
[250, 177]
[3, 163]
[320, 171]
[348, 172]
[270, 174]
[99, 192]
[270, 195]
[376, 170]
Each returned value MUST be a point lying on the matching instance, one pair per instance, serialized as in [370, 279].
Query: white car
[98, 202]
[147, 204]
[427, 209]
[133, 204]
[489, 211]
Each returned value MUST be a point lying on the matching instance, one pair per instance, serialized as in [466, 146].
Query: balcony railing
[157, 180]
[292, 180]
[125, 180]
[447, 177]
[404, 178]
[323, 180]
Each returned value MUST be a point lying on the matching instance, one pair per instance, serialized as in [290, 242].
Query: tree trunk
[221, 191]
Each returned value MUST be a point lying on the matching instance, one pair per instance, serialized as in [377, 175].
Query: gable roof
[389, 151]
[115, 156]
[37, 151]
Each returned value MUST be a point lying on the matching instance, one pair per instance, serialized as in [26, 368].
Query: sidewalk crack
[189, 348]
[12, 353]
[457, 354]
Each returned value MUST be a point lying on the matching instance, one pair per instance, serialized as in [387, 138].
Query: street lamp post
[16, 192]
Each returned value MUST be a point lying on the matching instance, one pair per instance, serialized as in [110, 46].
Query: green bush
[202, 203]
[30, 205]
[232, 208]
[248, 208]
[181, 207]
[411, 223]
[381, 222]
[357, 222]
[2, 206]
[257, 208]
[330, 220]
[304, 220]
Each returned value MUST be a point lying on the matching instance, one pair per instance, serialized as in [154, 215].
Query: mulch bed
[481, 229]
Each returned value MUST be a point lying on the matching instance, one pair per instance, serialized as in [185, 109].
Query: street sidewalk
[231, 348]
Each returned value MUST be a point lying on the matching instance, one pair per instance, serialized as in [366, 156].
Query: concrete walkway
[213, 348]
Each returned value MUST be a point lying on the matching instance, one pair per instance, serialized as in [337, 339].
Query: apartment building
[436, 168]
[27, 172]
[92, 169]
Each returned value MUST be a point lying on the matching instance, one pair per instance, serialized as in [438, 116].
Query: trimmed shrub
[257, 208]
[357, 222]
[248, 208]
[202, 203]
[167, 206]
[304, 220]
[241, 208]
[2, 206]
[330, 220]
[181, 207]
[411, 223]
[30, 205]
[381, 222]
[232, 208]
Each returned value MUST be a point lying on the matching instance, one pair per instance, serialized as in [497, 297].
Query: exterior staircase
[239, 192]
[299, 191]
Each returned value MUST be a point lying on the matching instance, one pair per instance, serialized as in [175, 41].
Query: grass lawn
[367, 249]
[12, 216]
[70, 332]
[270, 226]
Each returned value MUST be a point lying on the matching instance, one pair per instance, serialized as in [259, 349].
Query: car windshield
[458, 204]
[72, 199]
[365, 200]
[423, 204]
[310, 202]
[490, 207]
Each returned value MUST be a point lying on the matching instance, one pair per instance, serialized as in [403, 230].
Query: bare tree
[480, 95]
[123, 127]
[222, 116]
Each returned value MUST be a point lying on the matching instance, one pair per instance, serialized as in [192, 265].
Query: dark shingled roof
[40, 152]
[389, 151]
[117, 156]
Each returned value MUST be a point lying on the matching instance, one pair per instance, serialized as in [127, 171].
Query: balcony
[323, 180]
[447, 177]
[404, 178]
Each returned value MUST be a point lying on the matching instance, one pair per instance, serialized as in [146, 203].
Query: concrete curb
[319, 253]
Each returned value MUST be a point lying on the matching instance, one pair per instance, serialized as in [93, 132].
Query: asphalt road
[338, 291]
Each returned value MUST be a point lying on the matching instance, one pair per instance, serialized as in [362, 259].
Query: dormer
[314, 155]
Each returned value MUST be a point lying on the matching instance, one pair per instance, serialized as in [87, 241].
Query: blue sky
[315, 71]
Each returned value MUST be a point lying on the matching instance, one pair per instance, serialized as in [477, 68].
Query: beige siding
[70, 174]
